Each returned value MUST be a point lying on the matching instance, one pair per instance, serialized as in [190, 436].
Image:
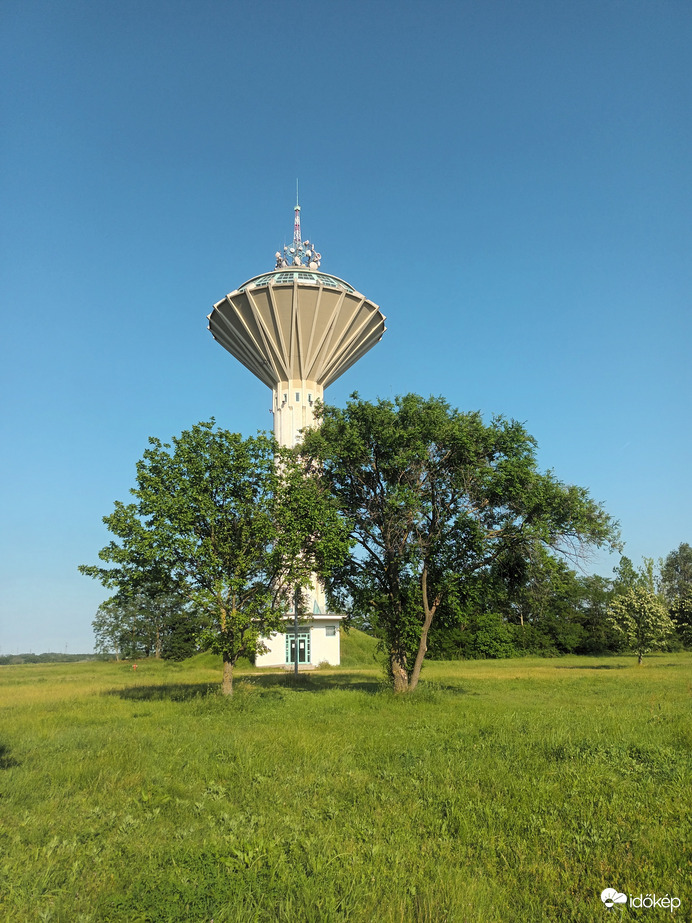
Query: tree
[627, 576]
[491, 637]
[111, 629]
[216, 515]
[676, 586]
[181, 634]
[144, 619]
[640, 615]
[595, 596]
[539, 594]
[432, 497]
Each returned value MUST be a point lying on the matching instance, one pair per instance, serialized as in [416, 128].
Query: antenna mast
[302, 253]
[297, 240]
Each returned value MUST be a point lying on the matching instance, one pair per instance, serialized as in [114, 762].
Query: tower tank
[297, 329]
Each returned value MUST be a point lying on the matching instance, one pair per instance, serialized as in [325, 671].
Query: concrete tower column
[294, 400]
[293, 409]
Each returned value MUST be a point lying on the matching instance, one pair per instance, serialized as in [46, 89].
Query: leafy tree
[676, 572]
[626, 576]
[676, 586]
[595, 595]
[640, 615]
[112, 629]
[144, 619]
[540, 595]
[159, 612]
[180, 636]
[433, 497]
[490, 637]
[216, 515]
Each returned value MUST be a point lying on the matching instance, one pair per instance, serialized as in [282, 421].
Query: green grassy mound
[357, 649]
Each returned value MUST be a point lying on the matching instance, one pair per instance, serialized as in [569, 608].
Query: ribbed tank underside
[293, 329]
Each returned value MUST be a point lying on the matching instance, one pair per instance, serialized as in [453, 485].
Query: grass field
[510, 790]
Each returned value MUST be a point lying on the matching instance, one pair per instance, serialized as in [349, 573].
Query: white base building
[318, 642]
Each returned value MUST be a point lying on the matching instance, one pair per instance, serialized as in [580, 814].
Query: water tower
[298, 329]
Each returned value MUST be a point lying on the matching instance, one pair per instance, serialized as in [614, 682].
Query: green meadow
[512, 790]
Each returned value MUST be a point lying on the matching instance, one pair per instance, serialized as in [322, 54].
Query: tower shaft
[293, 408]
[293, 403]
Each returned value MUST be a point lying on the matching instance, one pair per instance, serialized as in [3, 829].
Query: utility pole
[297, 599]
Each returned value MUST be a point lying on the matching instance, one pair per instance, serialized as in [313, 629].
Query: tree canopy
[676, 586]
[141, 620]
[676, 572]
[433, 497]
[232, 522]
[640, 615]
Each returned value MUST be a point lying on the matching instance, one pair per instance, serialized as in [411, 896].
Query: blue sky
[510, 182]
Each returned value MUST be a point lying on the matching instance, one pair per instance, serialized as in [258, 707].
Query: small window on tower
[285, 398]
[330, 631]
[298, 396]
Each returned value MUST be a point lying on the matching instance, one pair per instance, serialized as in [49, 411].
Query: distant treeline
[542, 607]
[50, 657]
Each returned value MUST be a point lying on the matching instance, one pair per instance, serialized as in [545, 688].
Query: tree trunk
[399, 673]
[227, 684]
[641, 657]
[427, 622]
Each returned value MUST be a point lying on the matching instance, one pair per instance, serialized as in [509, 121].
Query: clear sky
[510, 182]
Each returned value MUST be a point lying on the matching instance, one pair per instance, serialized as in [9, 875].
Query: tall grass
[499, 791]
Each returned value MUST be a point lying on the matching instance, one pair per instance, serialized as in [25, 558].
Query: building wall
[276, 654]
[323, 648]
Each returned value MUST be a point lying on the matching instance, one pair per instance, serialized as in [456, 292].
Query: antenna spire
[302, 253]
[297, 241]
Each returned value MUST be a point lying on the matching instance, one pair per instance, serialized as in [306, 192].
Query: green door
[303, 647]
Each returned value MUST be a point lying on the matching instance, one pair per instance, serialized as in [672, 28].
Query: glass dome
[286, 275]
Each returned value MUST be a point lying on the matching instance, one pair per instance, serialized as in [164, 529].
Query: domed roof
[286, 276]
